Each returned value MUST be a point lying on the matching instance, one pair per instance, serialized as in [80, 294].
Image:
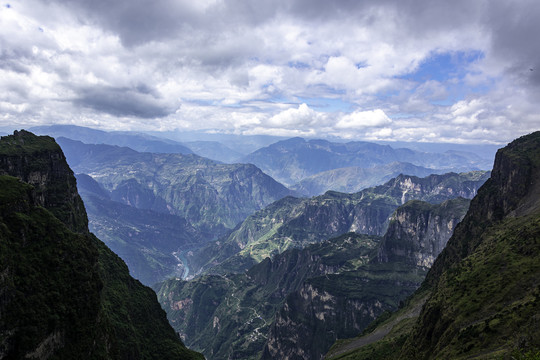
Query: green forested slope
[482, 295]
[63, 293]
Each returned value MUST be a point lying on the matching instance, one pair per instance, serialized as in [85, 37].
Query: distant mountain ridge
[214, 150]
[212, 196]
[293, 160]
[136, 141]
[141, 142]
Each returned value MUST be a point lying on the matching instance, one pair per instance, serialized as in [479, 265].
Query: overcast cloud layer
[460, 71]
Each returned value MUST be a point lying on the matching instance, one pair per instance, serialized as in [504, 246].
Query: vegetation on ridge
[63, 293]
[483, 295]
[293, 222]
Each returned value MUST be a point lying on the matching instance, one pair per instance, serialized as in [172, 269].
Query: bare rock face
[419, 231]
[293, 222]
[336, 306]
[341, 305]
[39, 161]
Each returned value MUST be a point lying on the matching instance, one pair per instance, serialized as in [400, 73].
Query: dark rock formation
[63, 293]
[418, 231]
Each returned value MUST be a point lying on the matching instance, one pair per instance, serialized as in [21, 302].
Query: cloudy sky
[438, 71]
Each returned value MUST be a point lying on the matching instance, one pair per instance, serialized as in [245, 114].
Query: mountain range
[413, 266]
[311, 167]
[212, 196]
[152, 209]
[296, 222]
[354, 179]
[136, 141]
[293, 160]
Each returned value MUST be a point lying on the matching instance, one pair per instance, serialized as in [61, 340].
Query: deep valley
[246, 268]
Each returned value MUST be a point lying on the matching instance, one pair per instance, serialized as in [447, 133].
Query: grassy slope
[483, 292]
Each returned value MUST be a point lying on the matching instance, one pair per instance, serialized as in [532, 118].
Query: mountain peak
[39, 161]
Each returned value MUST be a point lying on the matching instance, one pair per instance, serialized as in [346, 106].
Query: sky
[456, 71]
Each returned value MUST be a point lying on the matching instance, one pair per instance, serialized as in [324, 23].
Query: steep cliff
[486, 295]
[481, 298]
[418, 231]
[342, 304]
[63, 293]
[293, 222]
[229, 316]
[38, 161]
[335, 306]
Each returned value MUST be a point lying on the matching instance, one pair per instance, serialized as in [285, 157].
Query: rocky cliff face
[228, 316]
[293, 336]
[511, 191]
[63, 293]
[39, 162]
[490, 266]
[419, 231]
[343, 304]
[437, 188]
[297, 303]
[293, 222]
[336, 306]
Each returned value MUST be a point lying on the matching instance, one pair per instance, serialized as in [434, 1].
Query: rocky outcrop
[437, 188]
[419, 231]
[39, 162]
[336, 306]
[293, 222]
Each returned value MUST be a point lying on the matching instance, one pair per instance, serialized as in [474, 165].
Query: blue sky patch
[445, 66]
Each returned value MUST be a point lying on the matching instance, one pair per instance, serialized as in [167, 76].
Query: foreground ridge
[481, 298]
[64, 294]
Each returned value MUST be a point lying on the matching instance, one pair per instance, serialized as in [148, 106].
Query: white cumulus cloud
[364, 119]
